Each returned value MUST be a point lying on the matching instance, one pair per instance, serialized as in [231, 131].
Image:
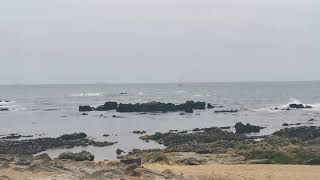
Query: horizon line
[181, 82]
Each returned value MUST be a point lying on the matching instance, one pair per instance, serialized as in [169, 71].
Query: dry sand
[243, 172]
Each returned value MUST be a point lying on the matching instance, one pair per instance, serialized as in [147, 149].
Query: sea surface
[52, 110]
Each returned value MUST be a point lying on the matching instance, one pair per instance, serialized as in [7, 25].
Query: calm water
[53, 109]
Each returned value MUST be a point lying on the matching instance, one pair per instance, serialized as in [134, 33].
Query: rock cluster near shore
[299, 145]
[188, 107]
[33, 146]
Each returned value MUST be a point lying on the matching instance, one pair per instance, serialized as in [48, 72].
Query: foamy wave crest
[5, 103]
[86, 94]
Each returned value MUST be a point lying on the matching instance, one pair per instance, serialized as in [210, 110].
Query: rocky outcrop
[188, 107]
[33, 146]
[299, 106]
[85, 108]
[246, 129]
[82, 156]
[107, 106]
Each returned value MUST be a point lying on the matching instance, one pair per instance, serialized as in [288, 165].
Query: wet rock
[209, 106]
[85, 108]
[285, 124]
[107, 106]
[119, 152]
[139, 132]
[304, 132]
[101, 144]
[299, 106]
[82, 156]
[12, 136]
[74, 136]
[106, 135]
[34, 146]
[246, 129]
[227, 111]
[4, 109]
[84, 114]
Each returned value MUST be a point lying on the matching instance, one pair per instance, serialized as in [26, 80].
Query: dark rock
[285, 124]
[106, 135]
[34, 146]
[85, 108]
[246, 129]
[12, 136]
[107, 106]
[119, 152]
[315, 161]
[227, 111]
[299, 106]
[82, 156]
[209, 106]
[74, 136]
[304, 132]
[139, 132]
[4, 109]
[226, 127]
[101, 144]
[84, 114]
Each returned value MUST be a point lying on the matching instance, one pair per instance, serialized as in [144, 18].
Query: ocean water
[52, 110]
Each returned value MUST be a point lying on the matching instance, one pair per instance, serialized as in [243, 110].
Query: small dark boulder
[210, 106]
[119, 152]
[4, 109]
[107, 106]
[74, 136]
[227, 111]
[85, 108]
[82, 156]
[246, 129]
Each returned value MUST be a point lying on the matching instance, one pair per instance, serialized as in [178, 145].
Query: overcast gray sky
[88, 41]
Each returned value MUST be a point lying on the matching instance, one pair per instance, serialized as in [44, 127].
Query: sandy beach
[243, 172]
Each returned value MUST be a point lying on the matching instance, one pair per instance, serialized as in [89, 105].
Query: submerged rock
[227, 111]
[82, 156]
[246, 129]
[4, 109]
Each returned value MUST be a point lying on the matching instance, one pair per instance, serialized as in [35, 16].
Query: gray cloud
[81, 41]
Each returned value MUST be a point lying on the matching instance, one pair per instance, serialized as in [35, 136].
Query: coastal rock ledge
[188, 107]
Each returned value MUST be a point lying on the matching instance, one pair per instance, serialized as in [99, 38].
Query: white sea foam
[140, 93]
[292, 100]
[180, 92]
[87, 94]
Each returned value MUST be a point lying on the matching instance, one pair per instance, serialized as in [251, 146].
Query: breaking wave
[87, 95]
